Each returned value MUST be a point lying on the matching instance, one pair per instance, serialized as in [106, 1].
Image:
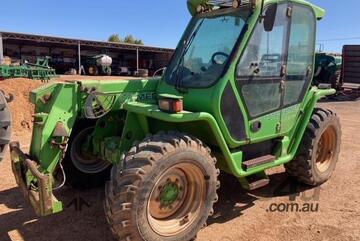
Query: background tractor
[97, 65]
[328, 70]
[236, 97]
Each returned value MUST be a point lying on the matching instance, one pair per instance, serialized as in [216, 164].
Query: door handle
[308, 71]
[283, 70]
[256, 126]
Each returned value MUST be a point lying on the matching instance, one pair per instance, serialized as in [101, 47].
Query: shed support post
[137, 60]
[79, 58]
[1, 50]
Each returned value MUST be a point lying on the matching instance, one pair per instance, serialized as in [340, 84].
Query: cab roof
[319, 12]
[193, 5]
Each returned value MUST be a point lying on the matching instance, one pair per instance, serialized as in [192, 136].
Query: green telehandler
[236, 97]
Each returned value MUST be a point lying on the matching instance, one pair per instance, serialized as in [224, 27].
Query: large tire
[154, 170]
[335, 80]
[5, 125]
[318, 153]
[108, 71]
[83, 171]
[93, 70]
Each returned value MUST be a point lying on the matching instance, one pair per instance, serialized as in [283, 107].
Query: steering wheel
[213, 58]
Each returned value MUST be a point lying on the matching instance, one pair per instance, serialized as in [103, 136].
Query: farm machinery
[350, 74]
[339, 72]
[236, 97]
[40, 70]
[97, 65]
[327, 70]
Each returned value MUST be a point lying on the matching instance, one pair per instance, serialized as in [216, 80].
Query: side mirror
[269, 17]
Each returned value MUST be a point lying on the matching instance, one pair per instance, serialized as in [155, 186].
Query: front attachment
[35, 185]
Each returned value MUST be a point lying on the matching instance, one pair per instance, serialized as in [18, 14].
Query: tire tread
[301, 166]
[137, 161]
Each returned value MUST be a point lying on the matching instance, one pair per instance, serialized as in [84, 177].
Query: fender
[312, 98]
[152, 111]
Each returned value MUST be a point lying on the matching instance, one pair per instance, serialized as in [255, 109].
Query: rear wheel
[93, 70]
[319, 150]
[83, 170]
[164, 190]
[5, 125]
[108, 71]
[335, 80]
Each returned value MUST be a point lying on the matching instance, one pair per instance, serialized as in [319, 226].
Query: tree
[139, 41]
[129, 39]
[115, 38]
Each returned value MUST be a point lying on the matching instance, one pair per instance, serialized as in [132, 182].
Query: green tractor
[327, 70]
[236, 97]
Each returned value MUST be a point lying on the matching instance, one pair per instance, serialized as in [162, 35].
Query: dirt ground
[239, 215]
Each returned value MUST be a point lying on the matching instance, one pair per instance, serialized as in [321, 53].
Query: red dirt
[239, 215]
[21, 108]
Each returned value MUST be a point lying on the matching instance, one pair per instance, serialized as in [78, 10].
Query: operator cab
[249, 65]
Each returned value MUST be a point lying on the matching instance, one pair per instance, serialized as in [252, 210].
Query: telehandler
[236, 97]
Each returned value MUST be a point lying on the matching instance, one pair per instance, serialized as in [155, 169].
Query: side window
[259, 70]
[301, 50]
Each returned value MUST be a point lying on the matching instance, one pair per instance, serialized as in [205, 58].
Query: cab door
[260, 76]
[299, 62]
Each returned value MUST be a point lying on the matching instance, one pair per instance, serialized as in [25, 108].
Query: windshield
[202, 55]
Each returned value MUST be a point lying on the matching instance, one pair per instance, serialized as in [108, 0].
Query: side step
[258, 162]
[256, 181]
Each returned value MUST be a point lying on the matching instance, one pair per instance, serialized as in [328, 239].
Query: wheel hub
[80, 156]
[169, 194]
[325, 149]
[176, 199]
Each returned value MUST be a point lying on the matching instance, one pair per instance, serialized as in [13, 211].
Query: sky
[158, 22]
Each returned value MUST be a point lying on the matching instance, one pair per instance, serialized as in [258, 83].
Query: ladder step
[258, 183]
[258, 161]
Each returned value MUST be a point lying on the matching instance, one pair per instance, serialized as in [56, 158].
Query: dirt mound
[21, 108]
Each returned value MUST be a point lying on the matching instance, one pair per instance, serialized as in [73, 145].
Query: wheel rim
[325, 149]
[176, 199]
[81, 159]
[92, 70]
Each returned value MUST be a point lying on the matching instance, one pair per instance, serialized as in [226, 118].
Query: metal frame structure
[75, 42]
[78, 44]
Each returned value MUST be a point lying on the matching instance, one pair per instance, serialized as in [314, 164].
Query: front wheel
[108, 71]
[83, 170]
[319, 151]
[164, 190]
[93, 70]
[5, 125]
